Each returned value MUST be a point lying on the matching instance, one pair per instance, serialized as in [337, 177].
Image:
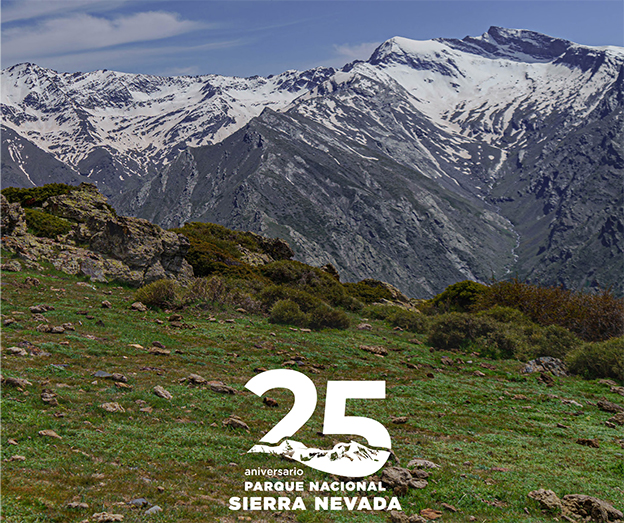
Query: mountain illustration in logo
[345, 459]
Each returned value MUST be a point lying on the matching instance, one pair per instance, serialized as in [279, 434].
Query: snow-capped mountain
[428, 163]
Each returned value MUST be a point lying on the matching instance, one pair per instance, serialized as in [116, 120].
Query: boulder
[576, 505]
[546, 364]
[13, 218]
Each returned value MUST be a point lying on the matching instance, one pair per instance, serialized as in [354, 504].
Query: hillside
[109, 406]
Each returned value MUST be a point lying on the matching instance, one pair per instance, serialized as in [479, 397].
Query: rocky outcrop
[13, 218]
[577, 507]
[101, 244]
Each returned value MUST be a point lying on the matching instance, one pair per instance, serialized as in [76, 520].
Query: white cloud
[82, 32]
[31, 9]
[361, 51]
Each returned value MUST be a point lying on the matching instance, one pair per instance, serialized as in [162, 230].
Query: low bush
[599, 360]
[325, 316]
[161, 294]
[35, 196]
[410, 320]
[368, 291]
[46, 225]
[274, 293]
[592, 317]
[458, 297]
[456, 330]
[552, 340]
[380, 312]
[506, 315]
[289, 313]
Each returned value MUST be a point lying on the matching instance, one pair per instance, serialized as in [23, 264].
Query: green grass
[470, 425]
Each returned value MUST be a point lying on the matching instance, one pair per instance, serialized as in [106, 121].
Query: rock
[375, 349]
[139, 502]
[175, 317]
[571, 402]
[17, 457]
[398, 517]
[112, 407]
[11, 441]
[418, 483]
[430, 513]
[618, 419]
[57, 330]
[415, 518]
[396, 477]
[49, 434]
[546, 364]
[49, 398]
[162, 393]
[76, 504]
[159, 352]
[32, 282]
[546, 379]
[16, 351]
[138, 306]
[478, 373]
[609, 406]
[44, 327]
[196, 379]
[588, 442]
[105, 517]
[618, 390]
[106, 304]
[16, 382]
[399, 420]
[9, 321]
[235, 422]
[158, 344]
[419, 474]
[219, 386]
[12, 218]
[449, 507]
[609, 383]
[154, 510]
[364, 327]
[422, 464]
[546, 498]
[587, 506]
[11, 266]
[270, 402]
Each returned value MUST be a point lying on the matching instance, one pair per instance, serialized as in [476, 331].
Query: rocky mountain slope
[429, 163]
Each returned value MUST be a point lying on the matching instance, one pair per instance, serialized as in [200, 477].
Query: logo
[344, 459]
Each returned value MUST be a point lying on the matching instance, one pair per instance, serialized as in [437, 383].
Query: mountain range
[429, 163]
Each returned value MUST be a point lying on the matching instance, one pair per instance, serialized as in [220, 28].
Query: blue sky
[245, 38]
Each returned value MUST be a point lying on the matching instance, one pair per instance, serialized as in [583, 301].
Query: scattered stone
[105, 517]
[588, 442]
[17, 457]
[562, 426]
[57, 330]
[422, 464]
[399, 420]
[106, 304]
[76, 504]
[235, 422]
[158, 351]
[364, 327]
[219, 386]
[112, 407]
[154, 510]
[618, 390]
[449, 507]
[418, 483]
[49, 433]
[609, 383]
[158, 344]
[136, 346]
[305, 330]
[196, 379]
[546, 364]
[430, 513]
[546, 379]
[396, 477]
[398, 517]
[49, 398]
[16, 382]
[9, 321]
[11, 266]
[16, 351]
[11, 441]
[571, 402]
[139, 502]
[375, 349]
[108, 376]
[138, 306]
[270, 402]
[175, 317]
[618, 419]
[68, 326]
[162, 393]
[44, 327]
[546, 498]
[609, 406]
[478, 373]
[589, 506]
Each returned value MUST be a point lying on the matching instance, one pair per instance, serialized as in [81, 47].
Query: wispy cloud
[350, 52]
[23, 10]
[83, 32]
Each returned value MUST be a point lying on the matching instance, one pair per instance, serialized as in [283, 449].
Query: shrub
[456, 330]
[458, 297]
[35, 196]
[410, 320]
[554, 341]
[368, 291]
[43, 224]
[325, 316]
[506, 315]
[599, 360]
[288, 312]
[274, 293]
[380, 311]
[592, 317]
[161, 294]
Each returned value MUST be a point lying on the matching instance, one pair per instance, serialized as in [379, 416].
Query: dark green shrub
[380, 312]
[410, 320]
[599, 360]
[324, 316]
[35, 196]
[592, 317]
[503, 341]
[46, 225]
[458, 297]
[368, 291]
[506, 315]
[161, 294]
[456, 330]
[554, 341]
[274, 293]
[288, 312]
